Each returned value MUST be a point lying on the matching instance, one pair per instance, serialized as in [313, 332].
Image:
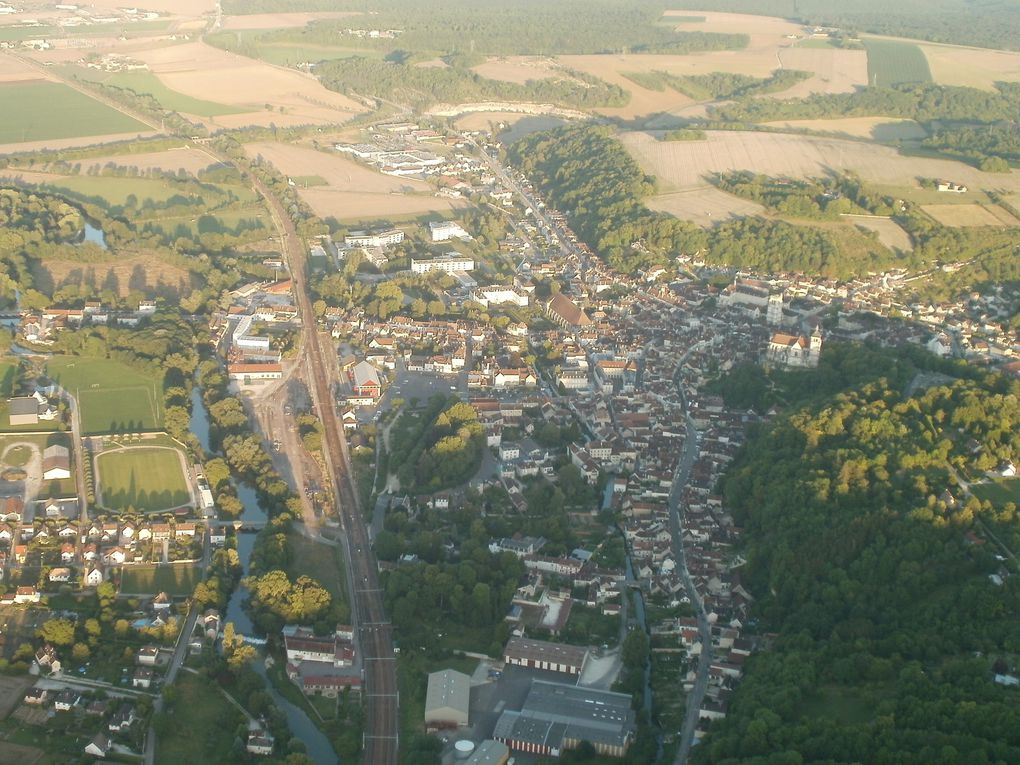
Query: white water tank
[463, 749]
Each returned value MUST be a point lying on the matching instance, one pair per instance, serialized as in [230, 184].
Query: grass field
[113, 397]
[38, 111]
[209, 720]
[891, 62]
[320, 562]
[144, 478]
[999, 491]
[178, 580]
[146, 83]
[116, 190]
[961, 215]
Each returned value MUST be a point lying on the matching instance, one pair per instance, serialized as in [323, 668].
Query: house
[60, 575]
[36, 697]
[259, 742]
[66, 700]
[56, 462]
[162, 602]
[26, 594]
[122, 719]
[94, 576]
[98, 746]
[142, 678]
[97, 708]
[148, 656]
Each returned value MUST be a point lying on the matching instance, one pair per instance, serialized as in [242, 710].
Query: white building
[450, 262]
[374, 238]
[444, 231]
[793, 351]
[497, 294]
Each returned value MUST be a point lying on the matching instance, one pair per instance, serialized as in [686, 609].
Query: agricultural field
[113, 397]
[704, 206]
[681, 165]
[970, 214]
[880, 129]
[172, 160]
[177, 580]
[271, 94]
[146, 83]
[122, 275]
[352, 191]
[833, 70]
[971, 67]
[280, 20]
[519, 69]
[145, 478]
[40, 111]
[895, 62]
[889, 232]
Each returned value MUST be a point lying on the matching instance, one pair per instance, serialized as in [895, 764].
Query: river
[301, 726]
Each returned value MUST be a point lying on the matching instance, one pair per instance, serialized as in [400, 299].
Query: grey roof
[448, 689]
[489, 752]
[540, 650]
[554, 710]
[23, 405]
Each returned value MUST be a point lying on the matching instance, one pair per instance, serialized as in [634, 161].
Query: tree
[80, 652]
[59, 632]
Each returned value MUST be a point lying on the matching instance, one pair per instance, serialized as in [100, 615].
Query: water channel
[301, 726]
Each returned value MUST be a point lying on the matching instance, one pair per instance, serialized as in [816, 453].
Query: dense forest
[514, 27]
[585, 172]
[860, 557]
[421, 87]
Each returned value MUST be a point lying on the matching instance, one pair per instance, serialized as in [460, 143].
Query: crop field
[113, 397]
[39, 111]
[200, 71]
[177, 580]
[142, 477]
[834, 70]
[19, 754]
[146, 83]
[683, 165]
[972, 67]
[518, 69]
[704, 206]
[889, 232]
[356, 206]
[881, 129]
[973, 214]
[892, 62]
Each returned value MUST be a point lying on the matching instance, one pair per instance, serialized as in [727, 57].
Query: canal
[317, 745]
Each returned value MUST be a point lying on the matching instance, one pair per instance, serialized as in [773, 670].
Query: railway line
[375, 637]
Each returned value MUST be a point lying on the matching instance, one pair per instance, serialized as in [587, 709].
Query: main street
[683, 471]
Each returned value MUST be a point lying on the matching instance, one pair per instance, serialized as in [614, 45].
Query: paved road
[683, 471]
[79, 454]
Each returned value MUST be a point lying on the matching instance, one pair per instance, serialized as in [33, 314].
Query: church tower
[774, 313]
[815, 347]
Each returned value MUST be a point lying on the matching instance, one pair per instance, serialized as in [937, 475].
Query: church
[794, 351]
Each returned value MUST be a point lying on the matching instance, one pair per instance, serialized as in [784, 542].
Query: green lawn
[8, 377]
[113, 397]
[200, 725]
[320, 562]
[146, 83]
[891, 63]
[999, 491]
[143, 478]
[178, 580]
[41, 111]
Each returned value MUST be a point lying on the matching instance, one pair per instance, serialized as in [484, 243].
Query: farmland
[684, 165]
[889, 232]
[39, 111]
[113, 397]
[181, 158]
[892, 62]
[833, 70]
[146, 83]
[142, 477]
[881, 129]
[971, 67]
[704, 206]
[970, 214]
[177, 580]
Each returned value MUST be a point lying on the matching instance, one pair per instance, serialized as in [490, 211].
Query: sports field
[176, 580]
[38, 111]
[114, 398]
[143, 477]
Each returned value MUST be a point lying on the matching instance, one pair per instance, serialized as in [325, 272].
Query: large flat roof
[448, 688]
[540, 650]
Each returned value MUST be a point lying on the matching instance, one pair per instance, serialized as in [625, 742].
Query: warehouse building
[556, 717]
[538, 654]
[447, 700]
